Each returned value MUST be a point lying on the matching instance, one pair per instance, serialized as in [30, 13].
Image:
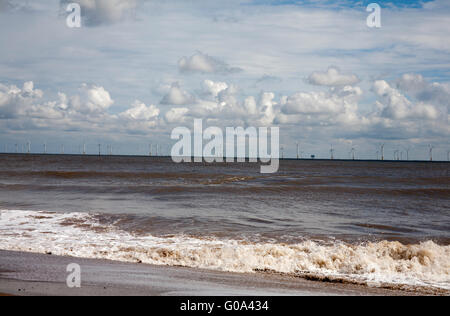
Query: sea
[375, 223]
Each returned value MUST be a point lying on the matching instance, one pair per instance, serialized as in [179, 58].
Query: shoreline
[28, 274]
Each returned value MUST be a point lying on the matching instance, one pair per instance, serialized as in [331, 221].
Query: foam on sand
[374, 263]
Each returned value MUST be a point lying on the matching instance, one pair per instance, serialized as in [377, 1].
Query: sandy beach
[27, 274]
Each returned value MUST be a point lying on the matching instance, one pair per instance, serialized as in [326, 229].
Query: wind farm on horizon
[393, 154]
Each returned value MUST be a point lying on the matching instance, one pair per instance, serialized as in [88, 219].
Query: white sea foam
[81, 235]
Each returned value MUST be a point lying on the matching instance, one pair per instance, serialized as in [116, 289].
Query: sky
[136, 69]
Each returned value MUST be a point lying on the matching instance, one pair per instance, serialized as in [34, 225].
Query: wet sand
[26, 274]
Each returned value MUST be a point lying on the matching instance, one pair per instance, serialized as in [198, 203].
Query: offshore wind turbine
[431, 152]
[408, 149]
[332, 152]
[396, 155]
[352, 153]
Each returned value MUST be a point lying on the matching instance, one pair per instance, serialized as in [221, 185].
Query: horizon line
[246, 158]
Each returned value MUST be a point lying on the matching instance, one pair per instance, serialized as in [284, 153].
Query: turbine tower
[431, 152]
[298, 151]
[396, 155]
[382, 152]
[407, 153]
[352, 152]
[332, 152]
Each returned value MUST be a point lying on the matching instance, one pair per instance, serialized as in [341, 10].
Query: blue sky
[136, 69]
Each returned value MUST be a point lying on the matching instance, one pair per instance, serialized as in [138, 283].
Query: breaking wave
[383, 263]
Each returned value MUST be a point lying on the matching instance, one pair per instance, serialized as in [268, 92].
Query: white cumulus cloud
[140, 111]
[177, 96]
[93, 100]
[176, 115]
[15, 101]
[204, 63]
[214, 88]
[395, 105]
[332, 78]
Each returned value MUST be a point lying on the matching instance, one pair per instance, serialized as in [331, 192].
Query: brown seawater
[366, 222]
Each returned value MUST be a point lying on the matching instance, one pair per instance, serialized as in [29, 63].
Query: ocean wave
[382, 263]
